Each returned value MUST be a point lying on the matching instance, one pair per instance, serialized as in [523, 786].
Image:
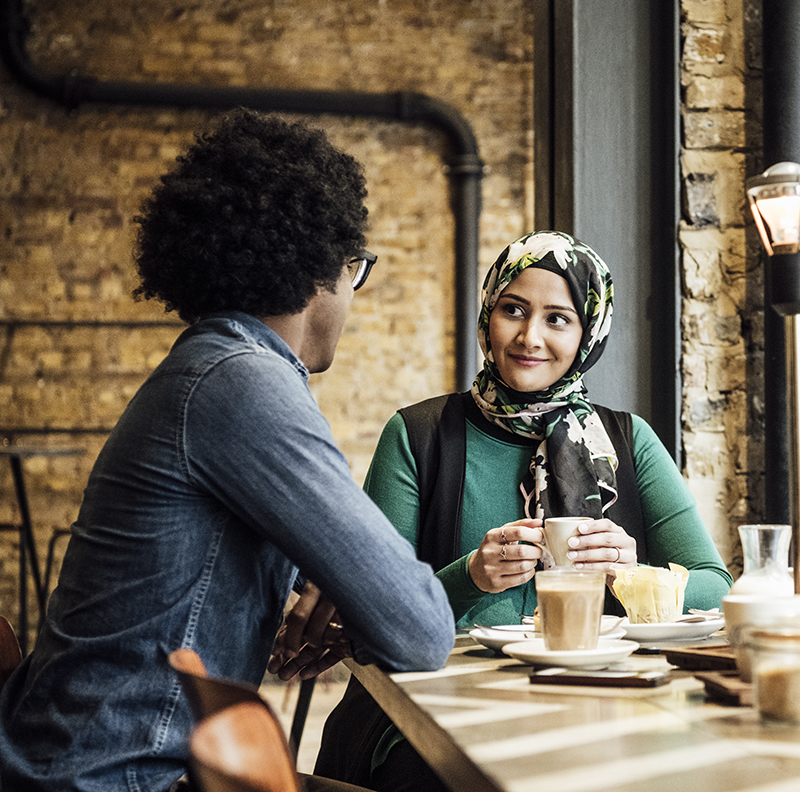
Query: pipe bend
[72, 90]
[463, 163]
[413, 106]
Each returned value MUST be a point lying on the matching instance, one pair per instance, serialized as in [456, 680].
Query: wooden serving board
[726, 687]
[702, 658]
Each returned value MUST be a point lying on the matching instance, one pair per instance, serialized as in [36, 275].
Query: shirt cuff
[461, 590]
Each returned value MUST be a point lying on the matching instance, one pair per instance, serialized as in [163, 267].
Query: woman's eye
[513, 310]
[558, 319]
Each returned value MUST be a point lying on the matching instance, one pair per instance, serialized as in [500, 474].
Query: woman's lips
[523, 360]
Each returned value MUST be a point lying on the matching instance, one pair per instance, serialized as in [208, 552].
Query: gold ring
[503, 553]
[503, 535]
[619, 555]
[335, 626]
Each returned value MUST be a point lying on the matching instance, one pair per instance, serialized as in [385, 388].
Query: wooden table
[483, 727]
[27, 541]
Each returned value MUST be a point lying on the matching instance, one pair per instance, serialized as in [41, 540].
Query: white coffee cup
[743, 611]
[557, 530]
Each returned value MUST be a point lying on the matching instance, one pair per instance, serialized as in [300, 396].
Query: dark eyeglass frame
[360, 266]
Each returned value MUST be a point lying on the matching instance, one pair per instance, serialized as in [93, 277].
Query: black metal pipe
[781, 96]
[127, 324]
[464, 166]
[6, 432]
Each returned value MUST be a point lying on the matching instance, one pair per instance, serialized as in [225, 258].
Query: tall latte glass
[570, 607]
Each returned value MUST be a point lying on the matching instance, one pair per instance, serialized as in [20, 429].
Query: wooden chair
[10, 654]
[208, 695]
[301, 713]
[239, 741]
[58, 533]
[242, 749]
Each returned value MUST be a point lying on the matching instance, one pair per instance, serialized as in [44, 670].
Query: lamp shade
[774, 198]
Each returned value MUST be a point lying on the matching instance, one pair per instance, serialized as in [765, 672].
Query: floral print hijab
[572, 471]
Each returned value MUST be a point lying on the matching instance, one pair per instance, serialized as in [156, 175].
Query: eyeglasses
[359, 268]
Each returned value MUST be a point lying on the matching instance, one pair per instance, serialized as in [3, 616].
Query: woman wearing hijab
[465, 477]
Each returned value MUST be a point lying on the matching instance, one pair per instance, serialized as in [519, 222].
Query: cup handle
[548, 562]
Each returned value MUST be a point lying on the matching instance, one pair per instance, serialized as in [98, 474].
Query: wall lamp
[774, 198]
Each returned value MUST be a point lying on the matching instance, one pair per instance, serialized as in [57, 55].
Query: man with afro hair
[221, 487]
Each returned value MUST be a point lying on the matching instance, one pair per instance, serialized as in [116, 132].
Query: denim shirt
[220, 481]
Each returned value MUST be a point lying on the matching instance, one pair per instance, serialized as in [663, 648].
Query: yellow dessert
[651, 594]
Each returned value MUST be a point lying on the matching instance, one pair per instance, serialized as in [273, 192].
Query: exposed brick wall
[722, 304]
[70, 184]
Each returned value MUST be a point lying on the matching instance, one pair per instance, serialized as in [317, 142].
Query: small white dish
[671, 631]
[607, 652]
[609, 626]
[613, 635]
[496, 638]
[512, 628]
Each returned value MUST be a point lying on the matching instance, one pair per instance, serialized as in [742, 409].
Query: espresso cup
[743, 612]
[557, 530]
[570, 607]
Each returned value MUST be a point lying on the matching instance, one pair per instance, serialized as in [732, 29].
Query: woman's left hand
[600, 544]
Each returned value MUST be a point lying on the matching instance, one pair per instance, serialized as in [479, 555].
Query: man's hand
[310, 639]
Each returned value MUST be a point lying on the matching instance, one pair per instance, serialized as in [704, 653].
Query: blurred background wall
[74, 347]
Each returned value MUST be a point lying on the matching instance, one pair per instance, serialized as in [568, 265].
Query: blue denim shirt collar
[260, 333]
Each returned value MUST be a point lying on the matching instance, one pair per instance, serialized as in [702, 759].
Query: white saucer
[501, 634]
[607, 652]
[671, 631]
[608, 626]
[497, 637]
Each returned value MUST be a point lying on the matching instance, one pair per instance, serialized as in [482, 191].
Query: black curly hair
[257, 215]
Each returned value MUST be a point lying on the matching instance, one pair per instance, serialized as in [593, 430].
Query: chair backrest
[238, 744]
[242, 749]
[10, 654]
[208, 695]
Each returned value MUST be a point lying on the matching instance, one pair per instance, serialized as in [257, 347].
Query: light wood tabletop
[483, 727]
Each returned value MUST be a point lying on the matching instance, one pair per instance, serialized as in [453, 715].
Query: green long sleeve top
[674, 529]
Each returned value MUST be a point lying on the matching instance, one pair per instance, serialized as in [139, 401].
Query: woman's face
[534, 330]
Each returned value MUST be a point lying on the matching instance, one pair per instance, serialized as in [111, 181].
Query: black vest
[437, 435]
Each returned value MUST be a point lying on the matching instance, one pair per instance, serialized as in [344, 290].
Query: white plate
[608, 626]
[613, 631]
[496, 638]
[607, 652]
[671, 631]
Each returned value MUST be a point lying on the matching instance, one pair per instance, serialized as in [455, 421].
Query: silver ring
[335, 626]
[619, 555]
[503, 553]
[503, 534]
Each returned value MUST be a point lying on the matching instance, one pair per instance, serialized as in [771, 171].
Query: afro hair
[258, 214]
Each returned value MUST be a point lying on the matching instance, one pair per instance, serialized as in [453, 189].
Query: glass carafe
[766, 561]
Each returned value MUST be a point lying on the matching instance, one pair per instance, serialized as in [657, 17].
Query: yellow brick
[51, 360]
[218, 32]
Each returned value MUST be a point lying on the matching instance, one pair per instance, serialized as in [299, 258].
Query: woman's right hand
[500, 562]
